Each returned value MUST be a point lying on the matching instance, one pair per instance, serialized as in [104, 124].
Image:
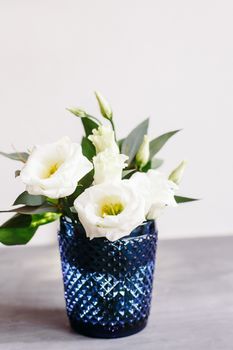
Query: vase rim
[66, 220]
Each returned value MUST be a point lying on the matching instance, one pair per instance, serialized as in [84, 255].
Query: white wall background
[170, 60]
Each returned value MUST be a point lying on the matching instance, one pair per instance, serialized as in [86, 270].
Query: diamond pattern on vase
[107, 284]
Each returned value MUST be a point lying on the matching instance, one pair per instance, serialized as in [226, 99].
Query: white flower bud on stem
[177, 174]
[143, 154]
[104, 106]
[78, 112]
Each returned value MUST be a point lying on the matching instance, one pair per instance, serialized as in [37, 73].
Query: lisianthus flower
[110, 210]
[157, 191]
[104, 138]
[53, 170]
[108, 166]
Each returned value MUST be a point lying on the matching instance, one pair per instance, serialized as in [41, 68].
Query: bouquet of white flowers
[110, 186]
[108, 194]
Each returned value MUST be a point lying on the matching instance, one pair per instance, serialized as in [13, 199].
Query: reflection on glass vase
[108, 285]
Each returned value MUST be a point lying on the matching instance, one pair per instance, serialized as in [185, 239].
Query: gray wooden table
[192, 305]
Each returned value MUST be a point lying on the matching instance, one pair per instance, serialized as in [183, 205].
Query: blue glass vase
[108, 285]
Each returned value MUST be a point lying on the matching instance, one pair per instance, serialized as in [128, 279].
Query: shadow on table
[30, 324]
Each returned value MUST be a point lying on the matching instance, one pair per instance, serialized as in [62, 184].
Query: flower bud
[143, 154]
[177, 174]
[105, 108]
[103, 138]
[78, 112]
[108, 166]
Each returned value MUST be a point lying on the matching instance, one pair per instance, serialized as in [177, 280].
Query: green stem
[94, 119]
[113, 127]
[67, 210]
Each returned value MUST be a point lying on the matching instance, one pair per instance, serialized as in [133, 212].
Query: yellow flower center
[111, 207]
[50, 171]
[53, 169]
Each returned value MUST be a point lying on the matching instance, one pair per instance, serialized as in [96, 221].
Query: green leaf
[146, 167]
[89, 122]
[120, 142]
[84, 183]
[21, 228]
[28, 199]
[156, 163]
[44, 219]
[132, 142]
[41, 209]
[17, 230]
[89, 125]
[44, 208]
[88, 148]
[152, 164]
[159, 142]
[20, 156]
[180, 199]
[126, 174]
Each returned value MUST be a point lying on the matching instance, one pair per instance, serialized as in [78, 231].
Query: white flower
[157, 191]
[110, 210]
[108, 166]
[143, 154]
[177, 174]
[103, 138]
[53, 170]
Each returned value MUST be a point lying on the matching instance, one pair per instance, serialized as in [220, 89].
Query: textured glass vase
[108, 285]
